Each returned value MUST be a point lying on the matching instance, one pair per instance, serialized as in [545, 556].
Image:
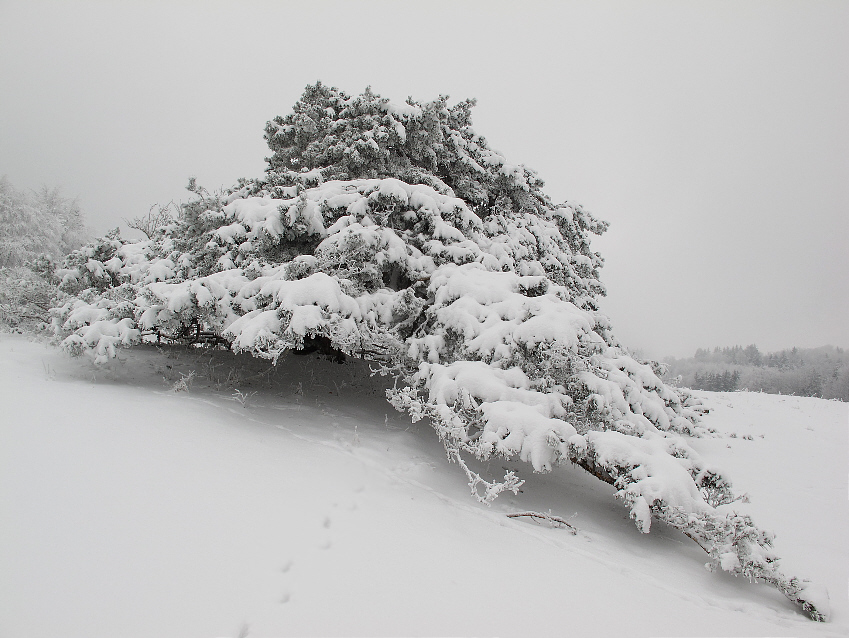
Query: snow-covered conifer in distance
[395, 233]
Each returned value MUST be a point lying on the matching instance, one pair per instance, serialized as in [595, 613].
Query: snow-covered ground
[129, 509]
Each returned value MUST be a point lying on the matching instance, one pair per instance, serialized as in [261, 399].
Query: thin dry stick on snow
[554, 521]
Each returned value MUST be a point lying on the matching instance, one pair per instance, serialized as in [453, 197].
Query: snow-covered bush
[396, 234]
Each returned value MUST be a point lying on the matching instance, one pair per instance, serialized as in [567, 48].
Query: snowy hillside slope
[127, 508]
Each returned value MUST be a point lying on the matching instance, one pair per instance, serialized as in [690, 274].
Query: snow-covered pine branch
[396, 234]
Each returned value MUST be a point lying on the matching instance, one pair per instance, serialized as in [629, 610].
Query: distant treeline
[813, 372]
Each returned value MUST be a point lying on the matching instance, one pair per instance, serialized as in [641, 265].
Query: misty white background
[713, 136]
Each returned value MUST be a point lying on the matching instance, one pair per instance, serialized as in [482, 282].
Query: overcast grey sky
[713, 136]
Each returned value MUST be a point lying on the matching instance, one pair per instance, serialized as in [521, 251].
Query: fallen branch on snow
[554, 521]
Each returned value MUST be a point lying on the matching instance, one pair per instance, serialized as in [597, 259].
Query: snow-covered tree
[397, 234]
[36, 229]
[37, 223]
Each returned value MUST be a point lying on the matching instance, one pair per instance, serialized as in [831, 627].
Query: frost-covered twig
[491, 489]
[242, 397]
[184, 382]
